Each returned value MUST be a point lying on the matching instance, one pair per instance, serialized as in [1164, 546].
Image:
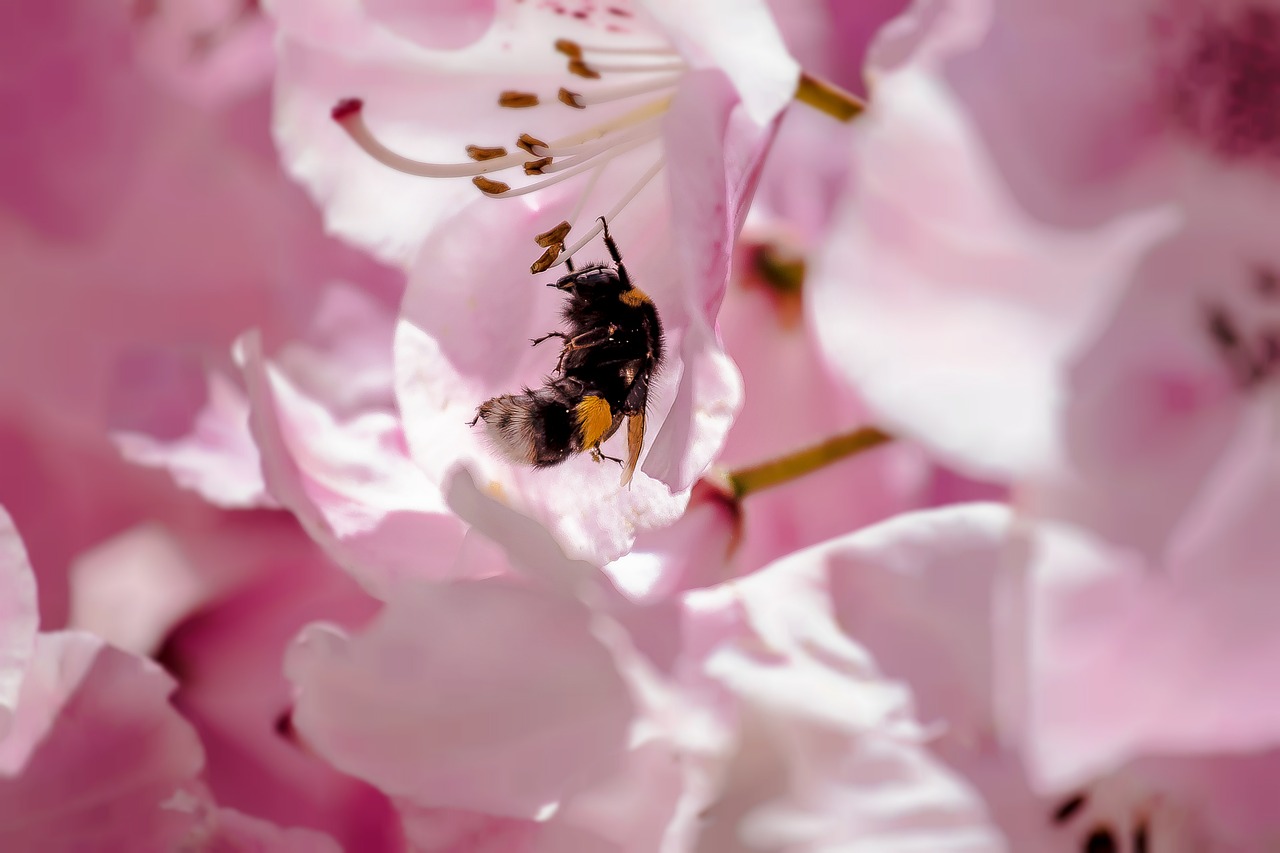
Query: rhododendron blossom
[566, 115]
[951, 526]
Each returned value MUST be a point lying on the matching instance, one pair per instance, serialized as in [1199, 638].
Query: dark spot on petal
[1140, 837]
[1101, 840]
[1069, 808]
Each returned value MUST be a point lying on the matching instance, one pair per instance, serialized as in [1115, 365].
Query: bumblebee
[610, 350]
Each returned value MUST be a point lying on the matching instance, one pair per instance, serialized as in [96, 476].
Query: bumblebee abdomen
[536, 427]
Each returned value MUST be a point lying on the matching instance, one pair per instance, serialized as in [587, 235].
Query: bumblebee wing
[635, 441]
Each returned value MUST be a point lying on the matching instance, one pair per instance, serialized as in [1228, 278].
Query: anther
[535, 167]
[582, 69]
[548, 258]
[553, 236]
[569, 48]
[517, 100]
[490, 187]
[528, 143]
[479, 152]
[573, 99]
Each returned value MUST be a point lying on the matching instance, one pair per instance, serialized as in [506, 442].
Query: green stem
[757, 478]
[829, 98]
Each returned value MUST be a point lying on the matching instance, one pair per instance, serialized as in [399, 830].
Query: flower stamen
[617, 208]
[620, 50]
[481, 153]
[517, 100]
[605, 94]
[539, 166]
[571, 99]
[649, 68]
[582, 69]
[577, 169]
[588, 150]
[647, 129]
[490, 187]
[350, 115]
[528, 143]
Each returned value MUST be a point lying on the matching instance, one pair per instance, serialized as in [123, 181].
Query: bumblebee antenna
[614, 253]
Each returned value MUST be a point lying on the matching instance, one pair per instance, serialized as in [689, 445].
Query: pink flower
[943, 601]
[97, 758]
[1166, 389]
[954, 314]
[1095, 108]
[121, 303]
[697, 101]
[92, 752]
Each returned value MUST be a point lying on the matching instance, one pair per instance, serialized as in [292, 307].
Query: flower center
[629, 88]
[1223, 79]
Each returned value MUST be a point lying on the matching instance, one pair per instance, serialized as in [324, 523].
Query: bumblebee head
[595, 281]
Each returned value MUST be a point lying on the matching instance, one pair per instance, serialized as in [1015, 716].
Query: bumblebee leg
[474, 420]
[568, 264]
[575, 343]
[572, 347]
[598, 456]
[614, 253]
[561, 335]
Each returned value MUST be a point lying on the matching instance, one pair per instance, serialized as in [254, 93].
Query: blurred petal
[95, 753]
[19, 617]
[217, 458]
[238, 831]
[480, 696]
[351, 485]
[954, 318]
[451, 23]
[739, 37]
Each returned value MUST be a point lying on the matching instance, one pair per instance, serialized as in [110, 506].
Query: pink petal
[132, 589]
[438, 24]
[1155, 400]
[74, 106]
[954, 319]
[820, 730]
[217, 458]
[235, 694]
[481, 696]
[351, 485]
[1082, 140]
[740, 38]
[241, 833]
[19, 617]
[1177, 660]
[918, 591]
[95, 753]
